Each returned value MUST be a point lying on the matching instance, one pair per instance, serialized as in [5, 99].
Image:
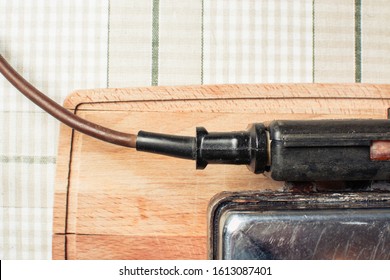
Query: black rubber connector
[240, 147]
[221, 148]
[169, 145]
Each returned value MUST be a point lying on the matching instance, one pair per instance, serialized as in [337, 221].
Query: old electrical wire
[62, 114]
[289, 150]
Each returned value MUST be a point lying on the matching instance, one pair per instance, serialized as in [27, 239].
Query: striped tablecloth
[68, 45]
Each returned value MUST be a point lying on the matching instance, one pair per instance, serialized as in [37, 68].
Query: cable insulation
[62, 114]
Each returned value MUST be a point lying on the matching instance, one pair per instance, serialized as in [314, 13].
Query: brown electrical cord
[62, 114]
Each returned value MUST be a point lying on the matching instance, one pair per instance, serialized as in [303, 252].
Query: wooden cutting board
[115, 203]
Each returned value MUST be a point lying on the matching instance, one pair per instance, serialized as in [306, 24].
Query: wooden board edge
[224, 91]
[61, 179]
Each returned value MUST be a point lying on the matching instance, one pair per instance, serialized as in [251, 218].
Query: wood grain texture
[115, 203]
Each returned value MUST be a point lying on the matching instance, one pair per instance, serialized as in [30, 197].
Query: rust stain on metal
[380, 150]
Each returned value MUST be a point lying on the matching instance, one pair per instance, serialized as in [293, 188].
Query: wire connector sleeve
[238, 147]
[169, 145]
[221, 147]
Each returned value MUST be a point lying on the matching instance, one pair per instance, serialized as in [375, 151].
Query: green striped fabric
[61, 46]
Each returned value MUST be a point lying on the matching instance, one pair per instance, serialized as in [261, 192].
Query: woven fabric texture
[60, 46]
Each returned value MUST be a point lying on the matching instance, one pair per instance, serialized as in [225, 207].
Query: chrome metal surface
[286, 225]
[306, 234]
